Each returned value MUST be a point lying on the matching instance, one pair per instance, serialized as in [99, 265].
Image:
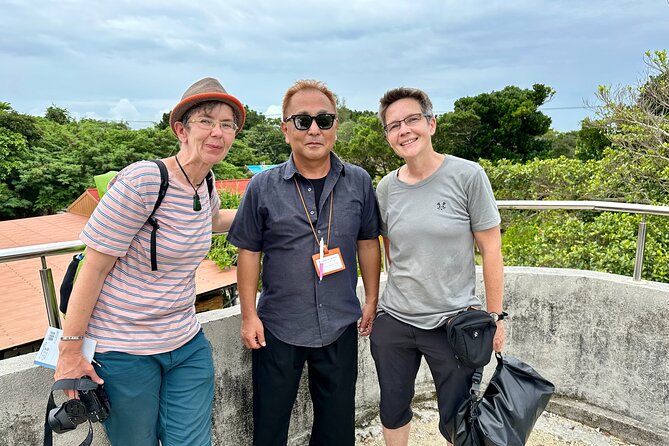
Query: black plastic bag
[505, 415]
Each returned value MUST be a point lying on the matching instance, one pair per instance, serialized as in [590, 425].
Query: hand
[72, 365]
[498, 341]
[252, 332]
[367, 320]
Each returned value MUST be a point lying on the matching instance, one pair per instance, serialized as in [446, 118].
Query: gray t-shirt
[430, 225]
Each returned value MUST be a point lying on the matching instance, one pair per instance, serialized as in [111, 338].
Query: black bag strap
[475, 390]
[67, 384]
[210, 183]
[164, 184]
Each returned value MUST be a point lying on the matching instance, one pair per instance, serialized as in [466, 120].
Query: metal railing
[51, 249]
[46, 277]
[604, 206]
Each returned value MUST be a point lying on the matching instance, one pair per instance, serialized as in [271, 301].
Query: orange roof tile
[233, 186]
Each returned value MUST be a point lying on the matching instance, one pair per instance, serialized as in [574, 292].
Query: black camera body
[92, 405]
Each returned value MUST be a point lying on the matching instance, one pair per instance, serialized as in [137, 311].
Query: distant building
[257, 168]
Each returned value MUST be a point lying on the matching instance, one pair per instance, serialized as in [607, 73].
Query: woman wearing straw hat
[151, 352]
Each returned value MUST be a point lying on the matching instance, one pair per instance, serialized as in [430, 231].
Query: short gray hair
[396, 94]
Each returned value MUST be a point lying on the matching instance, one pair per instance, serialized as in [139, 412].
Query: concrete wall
[602, 339]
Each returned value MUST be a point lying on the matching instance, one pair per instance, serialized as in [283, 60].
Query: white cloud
[124, 111]
[273, 111]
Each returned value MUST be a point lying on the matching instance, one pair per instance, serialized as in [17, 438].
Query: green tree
[633, 119]
[268, 142]
[560, 143]
[58, 115]
[367, 147]
[591, 141]
[502, 124]
[253, 118]
[20, 123]
[164, 122]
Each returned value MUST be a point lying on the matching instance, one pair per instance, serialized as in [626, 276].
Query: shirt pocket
[348, 222]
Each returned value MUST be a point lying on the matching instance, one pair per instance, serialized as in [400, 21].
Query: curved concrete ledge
[602, 339]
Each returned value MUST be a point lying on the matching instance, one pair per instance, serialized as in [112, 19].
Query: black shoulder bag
[470, 333]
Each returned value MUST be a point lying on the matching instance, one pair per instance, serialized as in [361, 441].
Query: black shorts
[397, 349]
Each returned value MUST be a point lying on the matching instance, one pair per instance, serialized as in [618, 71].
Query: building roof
[256, 168]
[233, 186]
[22, 309]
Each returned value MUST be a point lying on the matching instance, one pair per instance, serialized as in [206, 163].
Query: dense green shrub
[222, 252]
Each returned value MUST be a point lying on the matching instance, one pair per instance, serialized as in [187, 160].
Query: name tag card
[332, 262]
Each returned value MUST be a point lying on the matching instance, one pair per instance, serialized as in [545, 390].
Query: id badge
[332, 262]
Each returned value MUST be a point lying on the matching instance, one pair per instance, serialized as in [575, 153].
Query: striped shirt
[140, 311]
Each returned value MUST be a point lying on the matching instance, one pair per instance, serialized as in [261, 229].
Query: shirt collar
[336, 167]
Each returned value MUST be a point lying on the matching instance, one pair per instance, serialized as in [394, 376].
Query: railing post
[49, 291]
[640, 248]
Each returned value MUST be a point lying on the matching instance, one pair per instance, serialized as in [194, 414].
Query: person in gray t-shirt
[432, 211]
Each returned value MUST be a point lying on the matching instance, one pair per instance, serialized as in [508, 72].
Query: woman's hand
[498, 341]
[72, 365]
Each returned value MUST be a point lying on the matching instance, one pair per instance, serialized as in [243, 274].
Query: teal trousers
[167, 397]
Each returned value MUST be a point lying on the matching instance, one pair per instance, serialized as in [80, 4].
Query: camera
[92, 405]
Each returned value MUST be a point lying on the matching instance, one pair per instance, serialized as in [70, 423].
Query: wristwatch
[498, 316]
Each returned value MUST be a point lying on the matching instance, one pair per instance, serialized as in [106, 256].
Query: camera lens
[76, 411]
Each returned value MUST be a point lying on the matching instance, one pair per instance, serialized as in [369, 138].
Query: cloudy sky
[132, 60]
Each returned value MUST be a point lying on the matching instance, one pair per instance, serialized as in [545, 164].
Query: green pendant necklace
[197, 206]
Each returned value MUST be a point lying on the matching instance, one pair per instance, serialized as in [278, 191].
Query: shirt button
[309, 189]
[320, 305]
[312, 212]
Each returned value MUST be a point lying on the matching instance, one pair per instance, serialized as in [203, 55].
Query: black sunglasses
[324, 121]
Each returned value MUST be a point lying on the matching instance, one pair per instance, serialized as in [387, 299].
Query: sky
[132, 60]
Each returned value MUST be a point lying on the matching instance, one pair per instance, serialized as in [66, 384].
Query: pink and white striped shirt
[140, 311]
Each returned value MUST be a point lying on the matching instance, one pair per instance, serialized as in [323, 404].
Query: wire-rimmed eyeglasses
[410, 121]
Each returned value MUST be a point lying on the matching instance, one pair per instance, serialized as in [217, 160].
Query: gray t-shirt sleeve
[482, 206]
[382, 199]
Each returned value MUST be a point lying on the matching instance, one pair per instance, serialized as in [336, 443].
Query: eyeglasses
[324, 121]
[410, 121]
[209, 124]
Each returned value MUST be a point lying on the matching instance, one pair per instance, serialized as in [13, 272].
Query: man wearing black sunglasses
[314, 218]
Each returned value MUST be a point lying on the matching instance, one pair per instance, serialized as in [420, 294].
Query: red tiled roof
[94, 192]
[22, 309]
[233, 186]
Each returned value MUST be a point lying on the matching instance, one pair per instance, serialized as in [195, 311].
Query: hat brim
[182, 107]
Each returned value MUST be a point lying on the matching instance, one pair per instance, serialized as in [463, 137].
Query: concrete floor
[550, 430]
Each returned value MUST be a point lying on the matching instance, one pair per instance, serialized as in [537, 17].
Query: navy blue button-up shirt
[294, 305]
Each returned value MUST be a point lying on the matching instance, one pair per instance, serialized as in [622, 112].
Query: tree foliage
[362, 142]
[634, 119]
[58, 115]
[502, 124]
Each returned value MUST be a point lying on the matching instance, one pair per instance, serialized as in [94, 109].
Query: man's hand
[253, 332]
[368, 316]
